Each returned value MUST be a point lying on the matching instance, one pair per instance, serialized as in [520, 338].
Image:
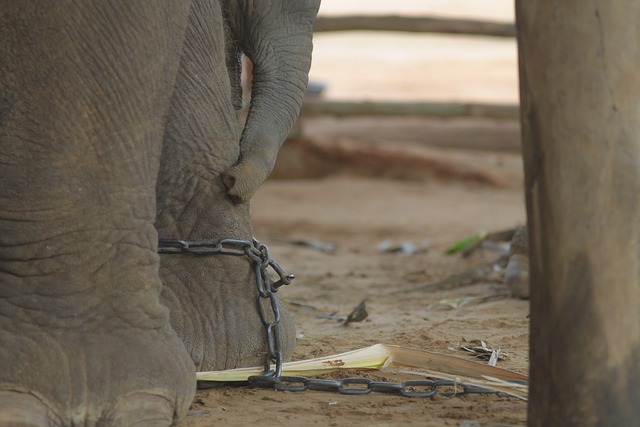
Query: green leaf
[467, 242]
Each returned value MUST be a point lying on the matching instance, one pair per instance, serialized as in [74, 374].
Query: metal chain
[258, 254]
[352, 386]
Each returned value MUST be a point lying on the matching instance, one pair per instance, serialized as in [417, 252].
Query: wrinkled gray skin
[117, 120]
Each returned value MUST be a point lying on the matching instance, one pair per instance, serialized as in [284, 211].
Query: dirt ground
[356, 207]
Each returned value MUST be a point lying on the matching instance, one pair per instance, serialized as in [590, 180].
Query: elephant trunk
[276, 35]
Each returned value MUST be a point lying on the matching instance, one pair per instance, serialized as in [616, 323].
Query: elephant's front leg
[83, 337]
[212, 299]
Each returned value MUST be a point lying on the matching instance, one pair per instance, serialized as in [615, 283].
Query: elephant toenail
[140, 409]
[25, 410]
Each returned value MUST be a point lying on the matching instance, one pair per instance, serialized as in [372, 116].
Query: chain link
[258, 254]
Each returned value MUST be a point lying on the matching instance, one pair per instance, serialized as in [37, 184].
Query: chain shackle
[258, 255]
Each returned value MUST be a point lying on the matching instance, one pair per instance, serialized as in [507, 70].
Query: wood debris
[481, 350]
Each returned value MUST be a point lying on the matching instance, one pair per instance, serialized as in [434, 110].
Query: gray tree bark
[580, 105]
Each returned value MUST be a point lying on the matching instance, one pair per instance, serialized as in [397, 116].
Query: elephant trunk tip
[229, 182]
[243, 179]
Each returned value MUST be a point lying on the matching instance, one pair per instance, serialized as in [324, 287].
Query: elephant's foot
[516, 275]
[118, 376]
[213, 305]
[212, 299]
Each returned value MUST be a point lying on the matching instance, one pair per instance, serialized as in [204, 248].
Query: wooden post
[580, 104]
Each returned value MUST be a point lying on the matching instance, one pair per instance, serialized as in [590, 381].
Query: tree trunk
[580, 105]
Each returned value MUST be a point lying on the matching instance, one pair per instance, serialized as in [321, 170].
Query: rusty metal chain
[258, 254]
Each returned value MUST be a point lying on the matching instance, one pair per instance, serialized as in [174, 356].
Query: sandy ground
[357, 213]
[358, 182]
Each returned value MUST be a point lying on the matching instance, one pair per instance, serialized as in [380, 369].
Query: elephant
[119, 126]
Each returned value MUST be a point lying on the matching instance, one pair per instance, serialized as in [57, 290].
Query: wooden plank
[414, 25]
[423, 109]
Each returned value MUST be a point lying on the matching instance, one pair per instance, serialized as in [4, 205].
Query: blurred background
[377, 65]
[412, 146]
[379, 96]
